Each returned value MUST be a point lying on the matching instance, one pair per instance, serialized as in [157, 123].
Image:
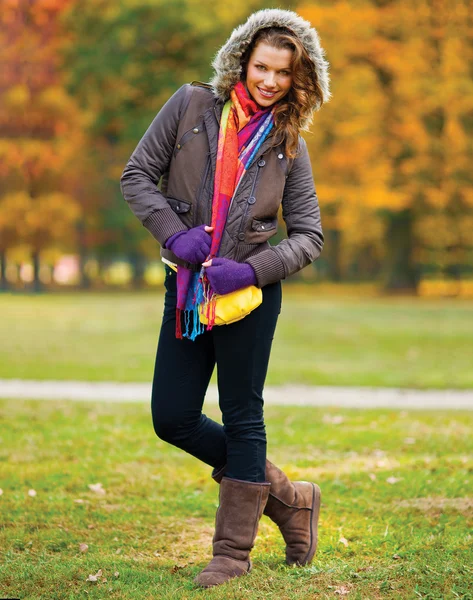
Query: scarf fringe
[178, 324]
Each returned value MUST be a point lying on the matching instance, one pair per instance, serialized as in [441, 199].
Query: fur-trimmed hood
[227, 62]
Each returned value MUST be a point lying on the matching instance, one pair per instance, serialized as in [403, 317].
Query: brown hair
[296, 108]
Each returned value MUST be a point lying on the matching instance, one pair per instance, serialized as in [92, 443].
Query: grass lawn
[396, 520]
[321, 339]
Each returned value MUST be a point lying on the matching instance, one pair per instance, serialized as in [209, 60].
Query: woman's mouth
[266, 94]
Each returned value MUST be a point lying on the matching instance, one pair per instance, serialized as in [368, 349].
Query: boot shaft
[241, 504]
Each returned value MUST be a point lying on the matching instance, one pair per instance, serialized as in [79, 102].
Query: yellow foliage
[394, 136]
[17, 96]
[41, 221]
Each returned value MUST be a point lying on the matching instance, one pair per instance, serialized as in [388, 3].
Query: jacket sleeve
[301, 214]
[148, 163]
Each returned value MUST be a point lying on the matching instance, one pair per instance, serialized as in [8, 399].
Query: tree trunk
[3, 267]
[400, 272]
[333, 239]
[138, 265]
[37, 286]
[83, 255]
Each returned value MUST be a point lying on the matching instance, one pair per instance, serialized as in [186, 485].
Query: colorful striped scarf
[243, 128]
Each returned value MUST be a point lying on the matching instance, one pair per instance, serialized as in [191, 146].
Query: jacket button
[251, 200]
[261, 162]
[179, 146]
[280, 156]
[241, 236]
[196, 130]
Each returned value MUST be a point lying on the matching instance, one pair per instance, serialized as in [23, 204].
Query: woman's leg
[242, 352]
[182, 373]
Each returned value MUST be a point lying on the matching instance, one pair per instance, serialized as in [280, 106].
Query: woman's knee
[250, 430]
[172, 428]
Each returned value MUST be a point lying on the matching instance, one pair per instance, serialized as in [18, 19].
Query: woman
[227, 155]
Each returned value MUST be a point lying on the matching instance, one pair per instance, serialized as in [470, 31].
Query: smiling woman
[230, 154]
[268, 76]
[276, 66]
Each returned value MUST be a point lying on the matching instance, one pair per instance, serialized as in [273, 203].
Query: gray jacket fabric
[168, 181]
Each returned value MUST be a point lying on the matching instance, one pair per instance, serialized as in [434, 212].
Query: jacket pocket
[189, 135]
[179, 206]
[263, 225]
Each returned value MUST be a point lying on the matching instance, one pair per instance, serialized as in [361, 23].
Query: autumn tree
[393, 147]
[40, 130]
[124, 60]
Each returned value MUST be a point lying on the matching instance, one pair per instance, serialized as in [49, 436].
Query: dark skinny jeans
[182, 373]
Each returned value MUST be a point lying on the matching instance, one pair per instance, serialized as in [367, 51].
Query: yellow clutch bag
[234, 306]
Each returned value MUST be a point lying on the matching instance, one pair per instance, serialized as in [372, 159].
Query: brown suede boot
[236, 524]
[294, 507]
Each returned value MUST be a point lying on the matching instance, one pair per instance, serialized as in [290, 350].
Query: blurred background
[391, 152]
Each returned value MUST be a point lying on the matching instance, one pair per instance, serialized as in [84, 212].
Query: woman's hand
[227, 275]
[192, 245]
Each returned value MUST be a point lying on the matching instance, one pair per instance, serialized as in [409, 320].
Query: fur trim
[227, 62]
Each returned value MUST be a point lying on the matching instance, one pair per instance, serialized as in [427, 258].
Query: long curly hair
[305, 93]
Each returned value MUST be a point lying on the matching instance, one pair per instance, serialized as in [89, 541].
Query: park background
[391, 152]
[92, 504]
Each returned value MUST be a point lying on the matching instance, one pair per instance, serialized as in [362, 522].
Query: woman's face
[268, 74]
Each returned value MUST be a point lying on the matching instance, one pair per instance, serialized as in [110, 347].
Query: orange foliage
[41, 128]
[397, 133]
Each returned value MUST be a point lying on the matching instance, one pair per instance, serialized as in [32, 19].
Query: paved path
[348, 397]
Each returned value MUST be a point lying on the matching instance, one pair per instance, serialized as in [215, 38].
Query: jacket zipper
[245, 214]
[201, 189]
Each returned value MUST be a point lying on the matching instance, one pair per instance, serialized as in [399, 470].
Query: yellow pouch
[233, 307]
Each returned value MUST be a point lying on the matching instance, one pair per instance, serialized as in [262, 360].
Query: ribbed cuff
[164, 223]
[268, 267]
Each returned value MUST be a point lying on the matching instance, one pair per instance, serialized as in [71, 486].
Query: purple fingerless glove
[227, 276]
[192, 245]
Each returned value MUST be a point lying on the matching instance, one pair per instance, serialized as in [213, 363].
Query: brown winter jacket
[168, 181]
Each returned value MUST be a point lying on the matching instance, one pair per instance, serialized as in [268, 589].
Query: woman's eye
[260, 67]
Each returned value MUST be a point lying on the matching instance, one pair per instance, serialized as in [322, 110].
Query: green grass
[407, 539]
[321, 339]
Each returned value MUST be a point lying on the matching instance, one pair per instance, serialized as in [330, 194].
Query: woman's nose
[270, 80]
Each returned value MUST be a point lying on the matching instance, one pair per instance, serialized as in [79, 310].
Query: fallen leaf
[97, 488]
[83, 547]
[115, 539]
[372, 476]
[90, 526]
[343, 541]
[95, 577]
[156, 553]
[118, 551]
[393, 480]
[396, 556]
[1, 491]
[79, 501]
[116, 574]
[176, 568]
[342, 590]
[32, 493]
